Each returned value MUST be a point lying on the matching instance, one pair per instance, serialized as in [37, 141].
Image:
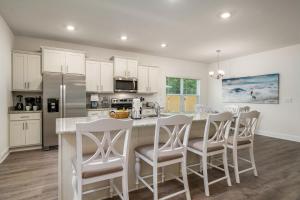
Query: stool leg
[185, 180]
[162, 174]
[125, 186]
[155, 186]
[236, 165]
[225, 164]
[137, 170]
[111, 189]
[252, 160]
[205, 175]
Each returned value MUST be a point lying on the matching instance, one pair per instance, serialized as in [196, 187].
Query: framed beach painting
[263, 89]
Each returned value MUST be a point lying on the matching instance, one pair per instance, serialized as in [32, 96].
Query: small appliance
[19, 105]
[136, 111]
[94, 101]
[126, 85]
[29, 103]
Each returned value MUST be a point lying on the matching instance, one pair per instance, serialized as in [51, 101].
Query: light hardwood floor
[33, 175]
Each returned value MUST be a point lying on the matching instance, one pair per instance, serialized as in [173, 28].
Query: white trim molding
[4, 155]
[283, 136]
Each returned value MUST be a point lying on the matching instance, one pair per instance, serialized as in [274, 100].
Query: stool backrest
[232, 108]
[178, 129]
[101, 133]
[246, 124]
[221, 122]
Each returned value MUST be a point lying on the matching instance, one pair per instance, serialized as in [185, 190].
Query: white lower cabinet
[25, 129]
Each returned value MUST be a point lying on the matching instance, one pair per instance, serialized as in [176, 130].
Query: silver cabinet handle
[60, 100]
[28, 85]
[24, 85]
[23, 125]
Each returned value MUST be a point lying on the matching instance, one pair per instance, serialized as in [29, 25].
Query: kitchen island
[142, 133]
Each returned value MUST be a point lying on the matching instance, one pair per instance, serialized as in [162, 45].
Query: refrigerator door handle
[61, 100]
[64, 101]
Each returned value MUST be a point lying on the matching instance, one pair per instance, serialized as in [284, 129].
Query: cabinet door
[92, 76]
[33, 132]
[143, 79]
[153, 79]
[53, 60]
[120, 67]
[19, 63]
[33, 72]
[132, 68]
[17, 133]
[75, 63]
[107, 82]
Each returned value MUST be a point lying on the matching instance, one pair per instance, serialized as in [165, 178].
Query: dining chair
[161, 154]
[107, 162]
[213, 143]
[243, 138]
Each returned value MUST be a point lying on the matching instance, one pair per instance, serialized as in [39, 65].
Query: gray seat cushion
[197, 144]
[99, 172]
[147, 151]
[242, 142]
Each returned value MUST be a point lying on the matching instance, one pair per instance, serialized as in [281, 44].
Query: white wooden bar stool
[106, 163]
[210, 145]
[243, 138]
[159, 155]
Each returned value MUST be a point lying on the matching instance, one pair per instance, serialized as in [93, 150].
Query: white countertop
[68, 125]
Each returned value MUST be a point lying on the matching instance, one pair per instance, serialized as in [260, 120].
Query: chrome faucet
[157, 109]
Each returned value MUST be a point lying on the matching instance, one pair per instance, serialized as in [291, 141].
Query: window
[182, 94]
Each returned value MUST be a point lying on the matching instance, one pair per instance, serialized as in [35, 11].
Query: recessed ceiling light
[163, 45]
[123, 37]
[70, 28]
[225, 15]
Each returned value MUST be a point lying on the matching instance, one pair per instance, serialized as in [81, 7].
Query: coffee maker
[94, 101]
[19, 105]
[136, 111]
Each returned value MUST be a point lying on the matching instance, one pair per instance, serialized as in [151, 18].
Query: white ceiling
[191, 28]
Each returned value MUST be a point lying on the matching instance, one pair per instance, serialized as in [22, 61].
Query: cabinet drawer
[24, 116]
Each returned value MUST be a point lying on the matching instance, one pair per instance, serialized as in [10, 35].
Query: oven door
[126, 85]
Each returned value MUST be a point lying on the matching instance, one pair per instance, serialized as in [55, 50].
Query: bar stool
[106, 163]
[243, 138]
[160, 154]
[211, 145]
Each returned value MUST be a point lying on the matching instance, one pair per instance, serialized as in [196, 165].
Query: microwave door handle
[133, 84]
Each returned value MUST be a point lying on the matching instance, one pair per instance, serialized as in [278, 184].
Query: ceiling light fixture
[225, 15]
[70, 28]
[163, 45]
[220, 73]
[123, 37]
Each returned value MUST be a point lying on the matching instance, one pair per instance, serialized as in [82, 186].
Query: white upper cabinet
[75, 63]
[53, 60]
[106, 79]
[126, 68]
[143, 79]
[132, 68]
[153, 79]
[63, 61]
[99, 77]
[147, 77]
[120, 67]
[92, 76]
[26, 72]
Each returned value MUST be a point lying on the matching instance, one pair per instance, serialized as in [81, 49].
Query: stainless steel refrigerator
[64, 95]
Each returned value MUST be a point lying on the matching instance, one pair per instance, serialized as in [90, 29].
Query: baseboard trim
[4, 155]
[29, 148]
[282, 136]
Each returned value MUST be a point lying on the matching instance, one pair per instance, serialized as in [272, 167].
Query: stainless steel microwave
[125, 85]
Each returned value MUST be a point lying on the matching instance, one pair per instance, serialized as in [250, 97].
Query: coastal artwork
[263, 89]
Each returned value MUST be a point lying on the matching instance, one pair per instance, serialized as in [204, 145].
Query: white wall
[280, 120]
[168, 66]
[6, 43]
